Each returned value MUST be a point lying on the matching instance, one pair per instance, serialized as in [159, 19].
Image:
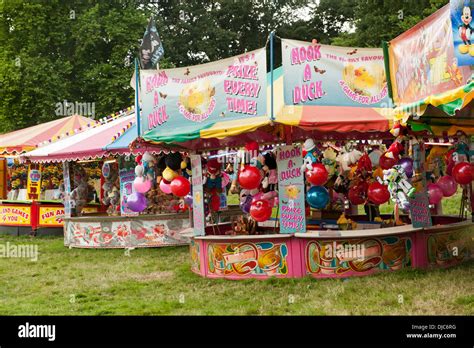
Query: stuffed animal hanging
[270, 173]
[79, 194]
[111, 189]
[174, 163]
[399, 186]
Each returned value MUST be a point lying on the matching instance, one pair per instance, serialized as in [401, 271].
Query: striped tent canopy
[446, 113]
[83, 146]
[29, 138]
[295, 122]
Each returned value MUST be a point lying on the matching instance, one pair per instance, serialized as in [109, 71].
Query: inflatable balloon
[141, 185]
[215, 203]
[435, 193]
[245, 203]
[462, 173]
[407, 164]
[250, 177]
[317, 175]
[260, 210]
[317, 197]
[375, 157]
[165, 187]
[188, 200]
[225, 179]
[448, 185]
[387, 162]
[358, 193]
[180, 186]
[378, 193]
[136, 202]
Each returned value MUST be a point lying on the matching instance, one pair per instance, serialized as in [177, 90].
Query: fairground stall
[29, 193]
[98, 166]
[314, 163]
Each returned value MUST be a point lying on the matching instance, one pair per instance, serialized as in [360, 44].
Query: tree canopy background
[83, 50]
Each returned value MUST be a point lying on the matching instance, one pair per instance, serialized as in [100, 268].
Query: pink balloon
[435, 193]
[166, 188]
[257, 197]
[448, 185]
[225, 179]
[141, 185]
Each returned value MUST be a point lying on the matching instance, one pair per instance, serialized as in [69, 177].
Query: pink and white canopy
[83, 146]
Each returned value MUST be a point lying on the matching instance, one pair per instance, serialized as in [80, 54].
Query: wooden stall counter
[332, 254]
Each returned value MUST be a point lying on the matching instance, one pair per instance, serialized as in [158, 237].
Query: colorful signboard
[462, 28]
[339, 258]
[198, 196]
[291, 189]
[123, 234]
[317, 74]
[422, 60]
[15, 215]
[185, 100]
[127, 175]
[51, 216]
[34, 183]
[243, 259]
[419, 205]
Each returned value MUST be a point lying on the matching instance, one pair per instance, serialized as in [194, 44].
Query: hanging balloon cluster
[257, 178]
[167, 172]
[397, 170]
[143, 183]
[316, 174]
[458, 171]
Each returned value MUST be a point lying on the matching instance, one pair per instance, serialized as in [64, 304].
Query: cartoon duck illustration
[292, 191]
[197, 197]
[196, 97]
[363, 79]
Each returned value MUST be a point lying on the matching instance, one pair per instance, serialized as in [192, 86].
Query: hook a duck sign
[180, 102]
[317, 74]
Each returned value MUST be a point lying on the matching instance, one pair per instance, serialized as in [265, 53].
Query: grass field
[159, 282]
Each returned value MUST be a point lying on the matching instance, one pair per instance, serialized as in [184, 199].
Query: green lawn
[159, 281]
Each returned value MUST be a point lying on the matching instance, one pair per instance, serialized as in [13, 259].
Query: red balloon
[358, 193]
[250, 177]
[180, 186]
[215, 203]
[378, 193]
[387, 162]
[435, 193]
[448, 185]
[462, 173]
[260, 210]
[317, 175]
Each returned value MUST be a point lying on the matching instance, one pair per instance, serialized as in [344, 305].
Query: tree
[376, 21]
[56, 50]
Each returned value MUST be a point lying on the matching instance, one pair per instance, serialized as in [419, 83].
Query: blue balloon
[317, 197]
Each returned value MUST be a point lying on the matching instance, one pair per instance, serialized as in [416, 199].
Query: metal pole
[137, 101]
[272, 34]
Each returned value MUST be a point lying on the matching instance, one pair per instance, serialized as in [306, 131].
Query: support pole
[137, 101]
[272, 116]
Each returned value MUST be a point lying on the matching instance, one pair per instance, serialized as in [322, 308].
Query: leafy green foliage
[83, 50]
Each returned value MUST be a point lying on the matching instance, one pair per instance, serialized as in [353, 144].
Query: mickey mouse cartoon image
[465, 30]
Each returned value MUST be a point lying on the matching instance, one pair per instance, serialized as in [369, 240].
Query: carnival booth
[99, 166]
[29, 193]
[305, 155]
